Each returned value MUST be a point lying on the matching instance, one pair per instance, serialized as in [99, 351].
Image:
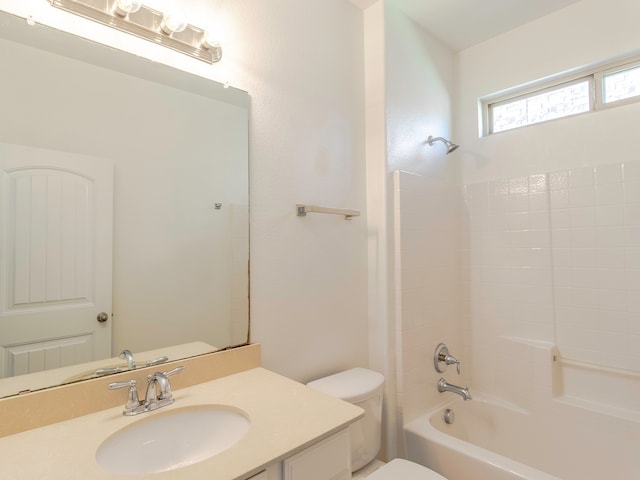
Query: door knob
[103, 317]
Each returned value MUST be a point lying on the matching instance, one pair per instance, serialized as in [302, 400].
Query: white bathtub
[491, 440]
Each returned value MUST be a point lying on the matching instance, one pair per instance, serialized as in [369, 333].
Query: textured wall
[302, 64]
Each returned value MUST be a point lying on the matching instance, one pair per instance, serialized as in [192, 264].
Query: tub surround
[553, 257]
[286, 417]
[500, 441]
[454, 450]
[538, 392]
[593, 387]
[553, 380]
[45, 407]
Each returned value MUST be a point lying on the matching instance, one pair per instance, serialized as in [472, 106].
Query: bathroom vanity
[294, 433]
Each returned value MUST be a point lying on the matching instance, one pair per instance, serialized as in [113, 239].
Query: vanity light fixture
[169, 29]
[211, 43]
[125, 7]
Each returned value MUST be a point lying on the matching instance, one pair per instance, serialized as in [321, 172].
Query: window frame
[541, 91]
[611, 69]
[595, 77]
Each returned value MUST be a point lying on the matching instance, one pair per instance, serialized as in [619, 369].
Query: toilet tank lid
[404, 469]
[354, 385]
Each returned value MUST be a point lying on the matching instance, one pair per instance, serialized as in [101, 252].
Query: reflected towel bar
[348, 214]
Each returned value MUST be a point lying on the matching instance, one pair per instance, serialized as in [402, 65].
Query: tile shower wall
[507, 269]
[555, 257]
[595, 226]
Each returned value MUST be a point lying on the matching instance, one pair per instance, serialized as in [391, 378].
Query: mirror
[178, 146]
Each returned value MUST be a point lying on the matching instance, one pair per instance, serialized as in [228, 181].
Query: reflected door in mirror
[56, 251]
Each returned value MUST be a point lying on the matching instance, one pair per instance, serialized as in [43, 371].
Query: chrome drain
[449, 416]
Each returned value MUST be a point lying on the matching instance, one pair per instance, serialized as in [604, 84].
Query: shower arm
[449, 144]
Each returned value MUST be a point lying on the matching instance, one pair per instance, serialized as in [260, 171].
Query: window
[612, 84]
[540, 106]
[621, 85]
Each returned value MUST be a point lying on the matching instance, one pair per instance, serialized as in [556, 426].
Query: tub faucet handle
[442, 359]
[450, 360]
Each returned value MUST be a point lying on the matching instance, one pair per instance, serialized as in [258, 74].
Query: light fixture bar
[144, 23]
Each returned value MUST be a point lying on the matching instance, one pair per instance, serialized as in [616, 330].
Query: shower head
[450, 145]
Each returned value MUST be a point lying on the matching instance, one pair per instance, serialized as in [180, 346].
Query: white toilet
[363, 388]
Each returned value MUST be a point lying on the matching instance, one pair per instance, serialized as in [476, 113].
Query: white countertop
[286, 416]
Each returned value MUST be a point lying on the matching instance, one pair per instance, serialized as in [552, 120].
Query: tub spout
[443, 386]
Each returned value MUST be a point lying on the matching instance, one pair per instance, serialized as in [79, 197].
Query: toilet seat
[398, 469]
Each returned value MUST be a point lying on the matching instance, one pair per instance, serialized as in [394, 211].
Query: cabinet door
[329, 459]
[259, 476]
[272, 472]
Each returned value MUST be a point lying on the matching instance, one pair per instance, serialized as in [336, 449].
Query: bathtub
[493, 440]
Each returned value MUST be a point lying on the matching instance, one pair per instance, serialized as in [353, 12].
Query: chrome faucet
[159, 389]
[125, 355]
[158, 392]
[128, 356]
[443, 386]
[131, 364]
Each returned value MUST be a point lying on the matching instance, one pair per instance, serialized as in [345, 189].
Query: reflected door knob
[103, 317]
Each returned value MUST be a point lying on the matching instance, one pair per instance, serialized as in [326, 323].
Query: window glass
[576, 93]
[621, 85]
[549, 104]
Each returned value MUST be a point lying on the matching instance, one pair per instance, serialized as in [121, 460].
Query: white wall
[583, 34]
[552, 214]
[302, 64]
[419, 97]
[309, 275]
[419, 79]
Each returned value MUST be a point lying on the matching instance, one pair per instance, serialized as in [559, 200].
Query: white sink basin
[173, 439]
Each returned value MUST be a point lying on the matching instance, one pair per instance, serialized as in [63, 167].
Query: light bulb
[210, 42]
[125, 7]
[173, 21]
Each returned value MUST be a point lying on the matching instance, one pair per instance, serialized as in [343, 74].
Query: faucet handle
[101, 372]
[132, 397]
[165, 392]
[450, 360]
[156, 361]
[162, 380]
[174, 371]
[442, 359]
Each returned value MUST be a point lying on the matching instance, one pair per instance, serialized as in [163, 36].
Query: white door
[56, 217]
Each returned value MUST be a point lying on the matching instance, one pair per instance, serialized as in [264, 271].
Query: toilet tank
[363, 388]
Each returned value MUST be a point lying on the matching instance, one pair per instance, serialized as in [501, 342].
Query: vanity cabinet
[272, 472]
[296, 433]
[329, 459]
[259, 476]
